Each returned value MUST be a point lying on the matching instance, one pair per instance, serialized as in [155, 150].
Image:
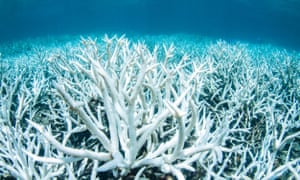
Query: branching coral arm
[178, 114]
[83, 153]
[50, 160]
[93, 128]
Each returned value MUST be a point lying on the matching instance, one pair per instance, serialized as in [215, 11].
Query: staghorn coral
[120, 109]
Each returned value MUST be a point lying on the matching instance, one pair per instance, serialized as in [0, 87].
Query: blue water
[271, 21]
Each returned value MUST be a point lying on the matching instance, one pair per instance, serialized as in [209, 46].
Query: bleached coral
[124, 109]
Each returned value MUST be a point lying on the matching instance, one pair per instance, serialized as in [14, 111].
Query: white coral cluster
[125, 110]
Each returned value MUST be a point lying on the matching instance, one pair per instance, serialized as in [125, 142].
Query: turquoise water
[256, 21]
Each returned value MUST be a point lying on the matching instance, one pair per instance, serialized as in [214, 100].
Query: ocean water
[271, 21]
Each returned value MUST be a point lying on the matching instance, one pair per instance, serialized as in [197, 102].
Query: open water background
[257, 21]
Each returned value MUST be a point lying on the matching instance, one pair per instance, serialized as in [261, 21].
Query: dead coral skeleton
[118, 107]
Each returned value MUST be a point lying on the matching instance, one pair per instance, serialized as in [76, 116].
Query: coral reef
[119, 109]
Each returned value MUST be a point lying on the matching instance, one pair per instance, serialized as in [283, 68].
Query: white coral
[118, 107]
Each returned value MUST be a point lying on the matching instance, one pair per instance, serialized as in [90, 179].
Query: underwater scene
[149, 89]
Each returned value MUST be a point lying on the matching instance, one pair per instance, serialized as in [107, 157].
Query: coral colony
[120, 109]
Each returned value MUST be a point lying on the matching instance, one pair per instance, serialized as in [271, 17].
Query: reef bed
[148, 107]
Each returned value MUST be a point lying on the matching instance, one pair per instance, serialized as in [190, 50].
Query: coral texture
[114, 109]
